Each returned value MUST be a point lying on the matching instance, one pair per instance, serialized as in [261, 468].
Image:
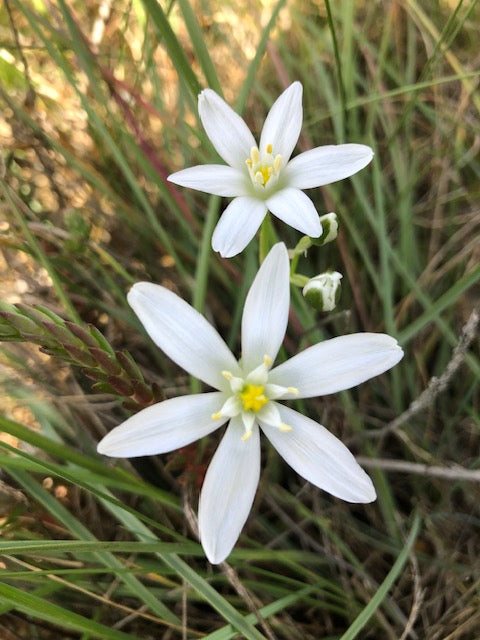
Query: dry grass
[409, 249]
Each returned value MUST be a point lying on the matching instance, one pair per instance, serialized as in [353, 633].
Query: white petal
[228, 491]
[226, 129]
[218, 179]
[296, 209]
[325, 165]
[319, 457]
[283, 123]
[237, 226]
[338, 364]
[265, 314]
[182, 333]
[164, 426]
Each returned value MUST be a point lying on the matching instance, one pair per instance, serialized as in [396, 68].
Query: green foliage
[97, 111]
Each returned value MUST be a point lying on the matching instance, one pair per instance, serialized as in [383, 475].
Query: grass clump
[98, 108]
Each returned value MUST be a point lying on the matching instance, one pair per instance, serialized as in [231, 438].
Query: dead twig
[453, 472]
[418, 597]
[436, 385]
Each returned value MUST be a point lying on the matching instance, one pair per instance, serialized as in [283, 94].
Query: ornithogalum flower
[262, 177]
[247, 397]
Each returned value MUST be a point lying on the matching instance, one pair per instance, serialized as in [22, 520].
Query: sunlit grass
[96, 111]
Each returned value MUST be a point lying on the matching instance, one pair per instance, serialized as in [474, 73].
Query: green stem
[267, 239]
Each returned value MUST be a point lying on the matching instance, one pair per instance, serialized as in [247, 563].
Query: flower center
[263, 167]
[252, 397]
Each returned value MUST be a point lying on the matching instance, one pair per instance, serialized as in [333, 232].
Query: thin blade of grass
[40, 608]
[362, 619]
[199, 46]
[175, 51]
[78, 530]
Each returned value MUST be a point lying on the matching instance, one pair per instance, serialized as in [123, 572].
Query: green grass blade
[40, 608]
[77, 529]
[62, 452]
[255, 63]
[115, 150]
[176, 53]
[362, 619]
[182, 569]
[199, 46]
[443, 302]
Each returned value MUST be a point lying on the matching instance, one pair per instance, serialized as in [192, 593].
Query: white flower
[246, 398]
[263, 178]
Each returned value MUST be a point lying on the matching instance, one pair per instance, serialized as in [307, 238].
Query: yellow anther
[252, 397]
[267, 361]
[227, 375]
[263, 166]
[259, 178]
[293, 390]
[246, 435]
[216, 416]
[284, 427]
[255, 155]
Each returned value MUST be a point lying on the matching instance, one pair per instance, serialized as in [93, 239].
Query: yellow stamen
[266, 173]
[263, 166]
[285, 427]
[293, 390]
[252, 397]
[267, 361]
[216, 416]
[227, 375]
[246, 436]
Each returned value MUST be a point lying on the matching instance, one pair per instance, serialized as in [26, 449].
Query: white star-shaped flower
[247, 397]
[263, 178]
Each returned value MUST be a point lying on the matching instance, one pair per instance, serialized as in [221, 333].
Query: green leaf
[40, 608]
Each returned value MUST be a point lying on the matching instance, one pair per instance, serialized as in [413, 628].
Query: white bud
[329, 224]
[323, 291]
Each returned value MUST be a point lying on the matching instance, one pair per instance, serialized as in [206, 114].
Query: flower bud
[329, 229]
[323, 291]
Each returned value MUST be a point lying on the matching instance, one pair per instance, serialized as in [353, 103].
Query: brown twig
[436, 385]
[453, 472]
[418, 597]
